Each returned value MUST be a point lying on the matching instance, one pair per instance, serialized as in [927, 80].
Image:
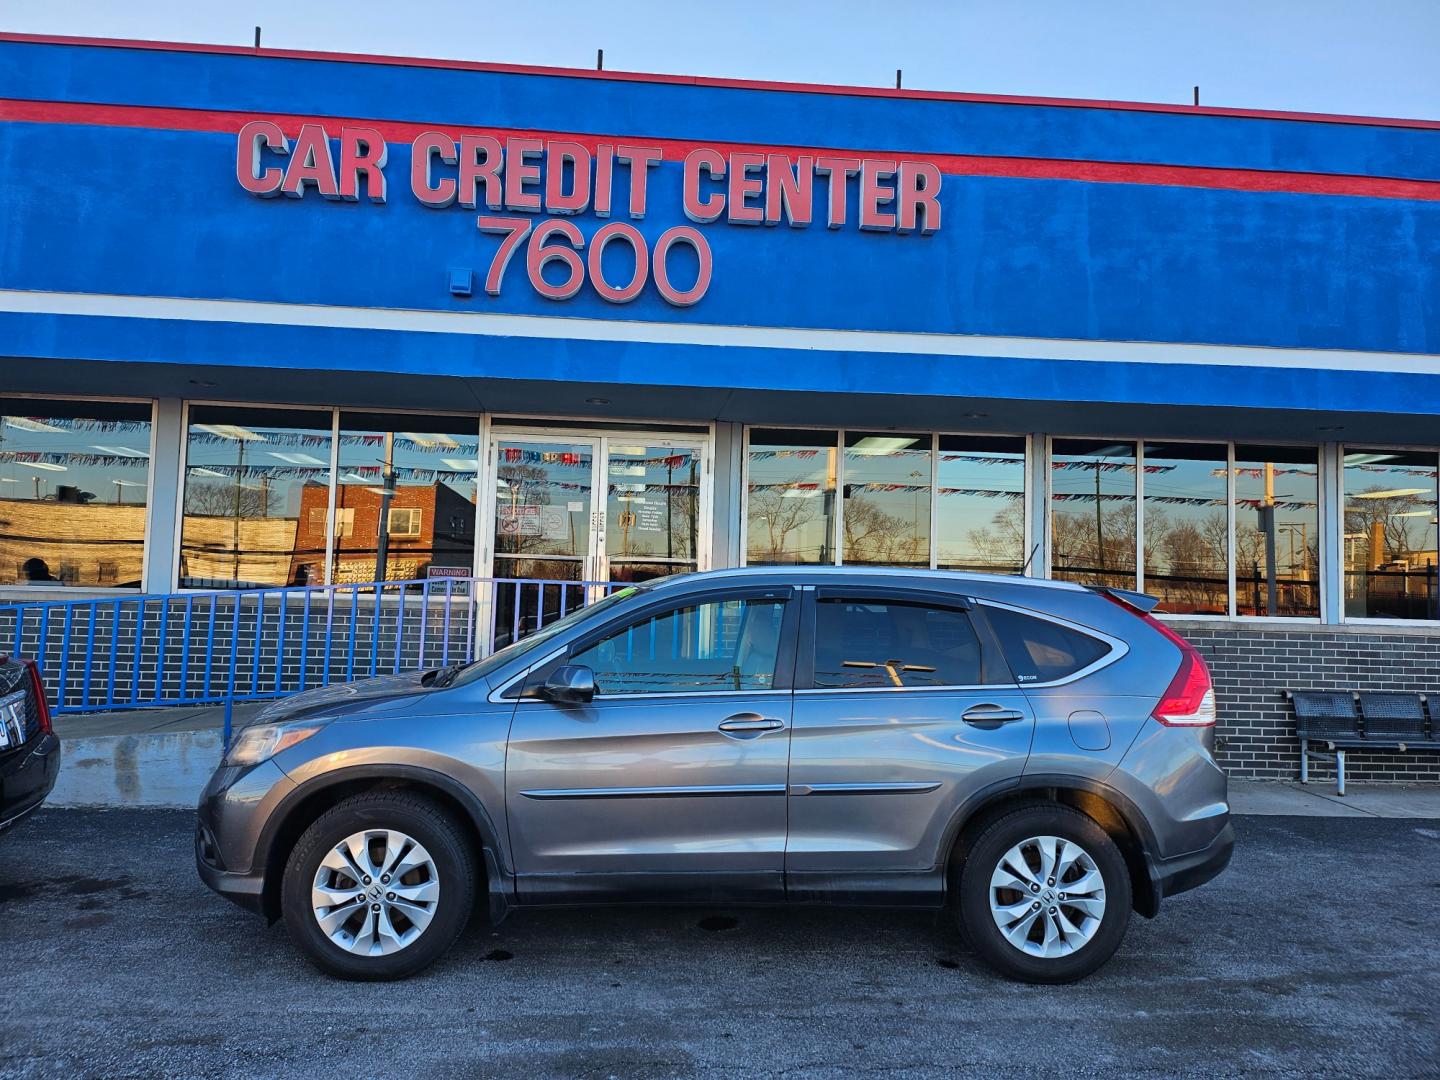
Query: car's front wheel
[1044, 894]
[379, 886]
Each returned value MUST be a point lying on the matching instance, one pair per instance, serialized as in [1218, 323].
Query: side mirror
[570, 684]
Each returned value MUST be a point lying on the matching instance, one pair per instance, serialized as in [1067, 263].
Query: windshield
[481, 668]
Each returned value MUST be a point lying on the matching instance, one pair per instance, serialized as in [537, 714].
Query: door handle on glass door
[746, 722]
[990, 716]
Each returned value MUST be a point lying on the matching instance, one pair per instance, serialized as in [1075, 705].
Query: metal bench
[1363, 720]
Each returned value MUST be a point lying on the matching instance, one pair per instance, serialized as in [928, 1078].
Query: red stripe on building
[1106, 172]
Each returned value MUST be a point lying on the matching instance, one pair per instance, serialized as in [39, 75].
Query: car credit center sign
[503, 179]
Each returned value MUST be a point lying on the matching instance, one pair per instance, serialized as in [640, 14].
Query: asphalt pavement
[1314, 955]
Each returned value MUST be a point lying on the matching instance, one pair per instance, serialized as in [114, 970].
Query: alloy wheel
[375, 892]
[1047, 896]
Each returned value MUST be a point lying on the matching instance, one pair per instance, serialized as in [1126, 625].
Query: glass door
[544, 528]
[653, 507]
[572, 513]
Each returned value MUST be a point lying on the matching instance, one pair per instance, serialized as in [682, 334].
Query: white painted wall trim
[484, 324]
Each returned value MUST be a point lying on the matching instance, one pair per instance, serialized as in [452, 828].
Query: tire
[1050, 940]
[389, 934]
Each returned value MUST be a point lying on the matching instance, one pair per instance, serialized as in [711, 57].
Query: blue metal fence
[220, 647]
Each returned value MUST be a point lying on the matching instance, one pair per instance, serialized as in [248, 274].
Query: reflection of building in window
[74, 477]
[82, 543]
[414, 543]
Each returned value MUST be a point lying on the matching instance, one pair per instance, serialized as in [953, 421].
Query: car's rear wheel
[379, 886]
[1044, 895]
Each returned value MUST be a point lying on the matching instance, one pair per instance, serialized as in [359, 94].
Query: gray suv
[1034, 755]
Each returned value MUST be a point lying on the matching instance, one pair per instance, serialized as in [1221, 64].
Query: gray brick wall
[1253, 664]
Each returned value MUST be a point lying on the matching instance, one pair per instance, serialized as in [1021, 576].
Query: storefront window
[1277, 530]
[251, 475]
[1093, 512]
[887, 499]
[1187, 528]
[405, 498]
[980, 504]
[74, 482]
[790, 515]
[1390, 534]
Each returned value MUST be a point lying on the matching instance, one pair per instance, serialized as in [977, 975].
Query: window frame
[1031, 565]
[1338, 539]
[785, 659]
[482, 421]
[1323, 494]
[1119, 647]
[991, 654]
[14, 593]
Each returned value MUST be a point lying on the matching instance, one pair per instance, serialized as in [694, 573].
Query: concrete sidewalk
[163, 757]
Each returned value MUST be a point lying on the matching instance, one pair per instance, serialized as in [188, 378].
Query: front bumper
[229, 822]
[1185, 872]
[27, 776]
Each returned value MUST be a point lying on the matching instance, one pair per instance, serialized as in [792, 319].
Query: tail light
[1189, 700]
[42, 706]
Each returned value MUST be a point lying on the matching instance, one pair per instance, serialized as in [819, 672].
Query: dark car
[1034, 754]
[29, 747]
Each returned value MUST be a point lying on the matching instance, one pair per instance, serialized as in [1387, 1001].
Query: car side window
[863, 643]
[1039, 650]
[705, 647]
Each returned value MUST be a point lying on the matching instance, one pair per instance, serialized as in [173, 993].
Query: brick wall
[1252, 665]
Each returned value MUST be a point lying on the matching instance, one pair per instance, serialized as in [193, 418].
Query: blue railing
[220, 647]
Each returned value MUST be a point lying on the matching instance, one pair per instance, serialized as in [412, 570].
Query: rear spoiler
[1144, 603]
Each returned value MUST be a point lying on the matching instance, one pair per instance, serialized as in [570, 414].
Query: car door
[903, 709]
[670, 784]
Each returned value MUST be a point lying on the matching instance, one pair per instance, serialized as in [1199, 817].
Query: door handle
[747, 722]
[990, 717]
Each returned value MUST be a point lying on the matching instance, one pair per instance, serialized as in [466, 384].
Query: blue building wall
[113, 208]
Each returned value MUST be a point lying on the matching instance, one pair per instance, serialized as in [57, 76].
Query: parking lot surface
[1314, 955]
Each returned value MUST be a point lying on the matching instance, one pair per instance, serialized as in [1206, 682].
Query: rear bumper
[1169, 877]
[27, 776]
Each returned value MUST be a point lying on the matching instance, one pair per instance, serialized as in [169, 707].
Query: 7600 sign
[556, 240]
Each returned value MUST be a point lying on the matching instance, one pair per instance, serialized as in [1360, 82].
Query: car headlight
[260, 742]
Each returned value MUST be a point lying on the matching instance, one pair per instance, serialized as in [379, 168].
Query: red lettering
[619, 230]
[742, 187]
[873, 195]
[789, 195]
[519, 173]
[363, 151]
[515, 230]
[254, 135]
[604, 174]
[919, 190]
[537, 256]
[839, 170]
[311, 163]
[640, 158]
[425, 148]
[480, 162]
[710, 208]
[682, 234]
[558, 156]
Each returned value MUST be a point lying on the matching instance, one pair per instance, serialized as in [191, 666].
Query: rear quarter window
[1039, 650]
